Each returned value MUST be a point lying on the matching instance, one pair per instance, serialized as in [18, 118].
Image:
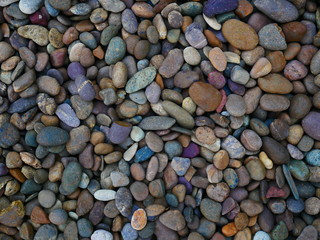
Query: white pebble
[105, 195]
[101, 235]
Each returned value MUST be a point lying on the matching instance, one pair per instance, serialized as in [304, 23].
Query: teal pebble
[115, 51]
[31, 138]
[85, 227]
[313, 157]
[173, 149]
[191, 9]
[88, 39]
[30, 187]
[299, 170]
[172, 200]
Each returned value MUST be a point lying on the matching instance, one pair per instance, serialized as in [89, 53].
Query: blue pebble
[85, 227]
[143, 154]
[51, 10]
[313, 157]
[295, 206]
[128, 233]
[31, 138]
[269, 121]
[173, 149]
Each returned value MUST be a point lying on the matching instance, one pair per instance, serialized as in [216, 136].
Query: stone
[105, 195]
[38, 34]
[180, 165]
[271, 37]
[85, 88]
[281, 11]
[71, 177]
[123, 201]
[172, 63]
[274, 103]
[182, 116]
[214, 7]
[218, 59]
[251, 207]
[275, 83]
[280, 232]
[311, 125]
[9, 135]
[210, 209]
[101, 234]
[116, 50]
[12, 215]
[233, 147]
[112, 5]
[52, 136]
[67, 115]
[48, 231]
[195, 37]
[6, 51]
[173, 219]
[240, 34]
[309, 232]
[205, 96]
[141, 80]
[157, 123]
[139, 219]
[235, 105]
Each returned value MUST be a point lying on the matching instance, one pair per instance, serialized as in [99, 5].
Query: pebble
[66, 114]
[281, 11]
[235, 105]
[141, 80]
[52, 136]
[71, 177]
[240, 34]
[173, 219]
[271, 37]
[115, 51]
[233, 147]
[157, 123]
[205, 96]
[210, 209]
[214, 7]
[182, 116]
[311, 125]
[101, 235]
[172, 63]
[38, 34]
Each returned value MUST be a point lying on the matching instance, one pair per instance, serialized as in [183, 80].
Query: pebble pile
[159, 119]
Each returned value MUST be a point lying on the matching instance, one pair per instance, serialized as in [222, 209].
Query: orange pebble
[17, 174]
[244, 8]
[229, 230]
[98, 52]
[139, 219]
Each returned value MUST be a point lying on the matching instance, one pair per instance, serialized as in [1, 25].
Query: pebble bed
[159, 119]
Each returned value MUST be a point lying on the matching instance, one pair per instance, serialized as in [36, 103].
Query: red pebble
[274, 192]
[223, 101]
[40, 17]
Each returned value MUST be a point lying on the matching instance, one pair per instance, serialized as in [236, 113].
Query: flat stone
[233, 147]
[12, 215]
[71, 177]
[157, 123]
[281, 11]
[140, 80]
[210, 209]
[181, 115]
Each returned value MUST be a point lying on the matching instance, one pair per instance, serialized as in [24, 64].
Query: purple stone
[228, 205]
[119, 131]
[311, 125]
[184, 181]
[72, 87]
[85, 88]
[216, 79]
[3, 169]
[238, 194]
[236, 88]
[99, 107]
[191, 151]
[56, 74]
[67, 115]
[75, 69]
[234, 212]
[214, 7]
[219, 35]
